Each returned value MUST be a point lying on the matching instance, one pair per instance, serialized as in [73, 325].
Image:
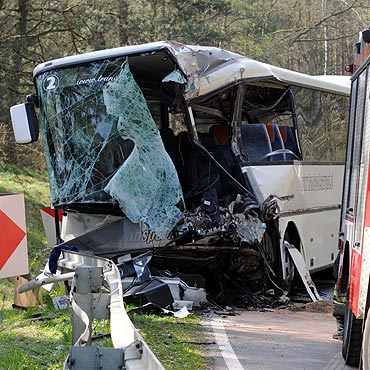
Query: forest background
[310, 36]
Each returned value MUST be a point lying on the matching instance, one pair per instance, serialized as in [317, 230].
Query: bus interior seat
[276, 140]
[202, 172]
[210, 142]
[256, 141]
[289, 141]
[221, 134]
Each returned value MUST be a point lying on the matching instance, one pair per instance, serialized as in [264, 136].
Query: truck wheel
[352, 338]
[366, 344]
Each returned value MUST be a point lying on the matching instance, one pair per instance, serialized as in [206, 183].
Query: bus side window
[256, 141]
[289, 141]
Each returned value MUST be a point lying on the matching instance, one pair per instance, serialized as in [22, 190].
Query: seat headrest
[283, 132]
[271, 132]
[221, 133]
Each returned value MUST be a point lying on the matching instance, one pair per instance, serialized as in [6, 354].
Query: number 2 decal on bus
[51, 82]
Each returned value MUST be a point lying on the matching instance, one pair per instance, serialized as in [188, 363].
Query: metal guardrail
[130, 351]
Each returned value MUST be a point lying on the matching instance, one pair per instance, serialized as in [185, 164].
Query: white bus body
[155, 142]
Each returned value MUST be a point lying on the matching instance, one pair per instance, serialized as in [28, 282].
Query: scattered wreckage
[190, 157]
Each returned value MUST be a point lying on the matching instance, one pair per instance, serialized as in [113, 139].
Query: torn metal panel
[107, 234]
[211, 68]
[75, 224]
[110, 238]
[180, 291]
[303, 271]
[249, 226]
[154, 291]
[175, 76]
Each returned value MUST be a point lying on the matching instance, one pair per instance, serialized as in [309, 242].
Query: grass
[169, 335]
[33, 338]
[38, 338]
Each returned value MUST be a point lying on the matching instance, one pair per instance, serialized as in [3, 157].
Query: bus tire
[366, 344]
[352, 338]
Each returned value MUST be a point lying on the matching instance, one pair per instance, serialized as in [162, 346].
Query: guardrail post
[88, 303]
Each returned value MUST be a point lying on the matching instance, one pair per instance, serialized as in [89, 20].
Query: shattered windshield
[103, 146]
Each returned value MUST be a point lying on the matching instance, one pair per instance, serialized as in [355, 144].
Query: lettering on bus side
[133, 237]
[286, 197]
[317, 182]
[150, 236]
[101, 78]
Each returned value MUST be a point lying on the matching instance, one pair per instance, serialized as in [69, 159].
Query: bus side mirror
[25, 124]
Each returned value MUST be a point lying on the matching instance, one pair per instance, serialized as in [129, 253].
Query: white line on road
[224, 345]
[337, 363]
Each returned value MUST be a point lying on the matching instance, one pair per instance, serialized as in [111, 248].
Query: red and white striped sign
[47, 215]
[13, 240]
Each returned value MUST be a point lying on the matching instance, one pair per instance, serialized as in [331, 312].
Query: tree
[313, 36]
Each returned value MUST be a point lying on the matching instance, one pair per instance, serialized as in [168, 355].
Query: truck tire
[366, 344]
[352, 338]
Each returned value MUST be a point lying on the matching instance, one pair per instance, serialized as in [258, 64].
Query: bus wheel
[366, 344]
[352, 338]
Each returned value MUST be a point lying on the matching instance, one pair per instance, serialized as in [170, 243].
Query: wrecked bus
[210, 160]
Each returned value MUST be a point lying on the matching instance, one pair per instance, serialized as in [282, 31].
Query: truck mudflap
[89, 273]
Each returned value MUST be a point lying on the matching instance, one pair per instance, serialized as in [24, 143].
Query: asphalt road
[279, 340]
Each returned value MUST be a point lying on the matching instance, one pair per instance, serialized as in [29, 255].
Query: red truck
[354, 237]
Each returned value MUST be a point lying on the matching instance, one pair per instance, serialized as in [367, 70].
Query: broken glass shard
[103, 146]
[146, 186]
[175, 76]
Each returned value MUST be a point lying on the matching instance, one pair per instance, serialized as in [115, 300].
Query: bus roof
[208, 68]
